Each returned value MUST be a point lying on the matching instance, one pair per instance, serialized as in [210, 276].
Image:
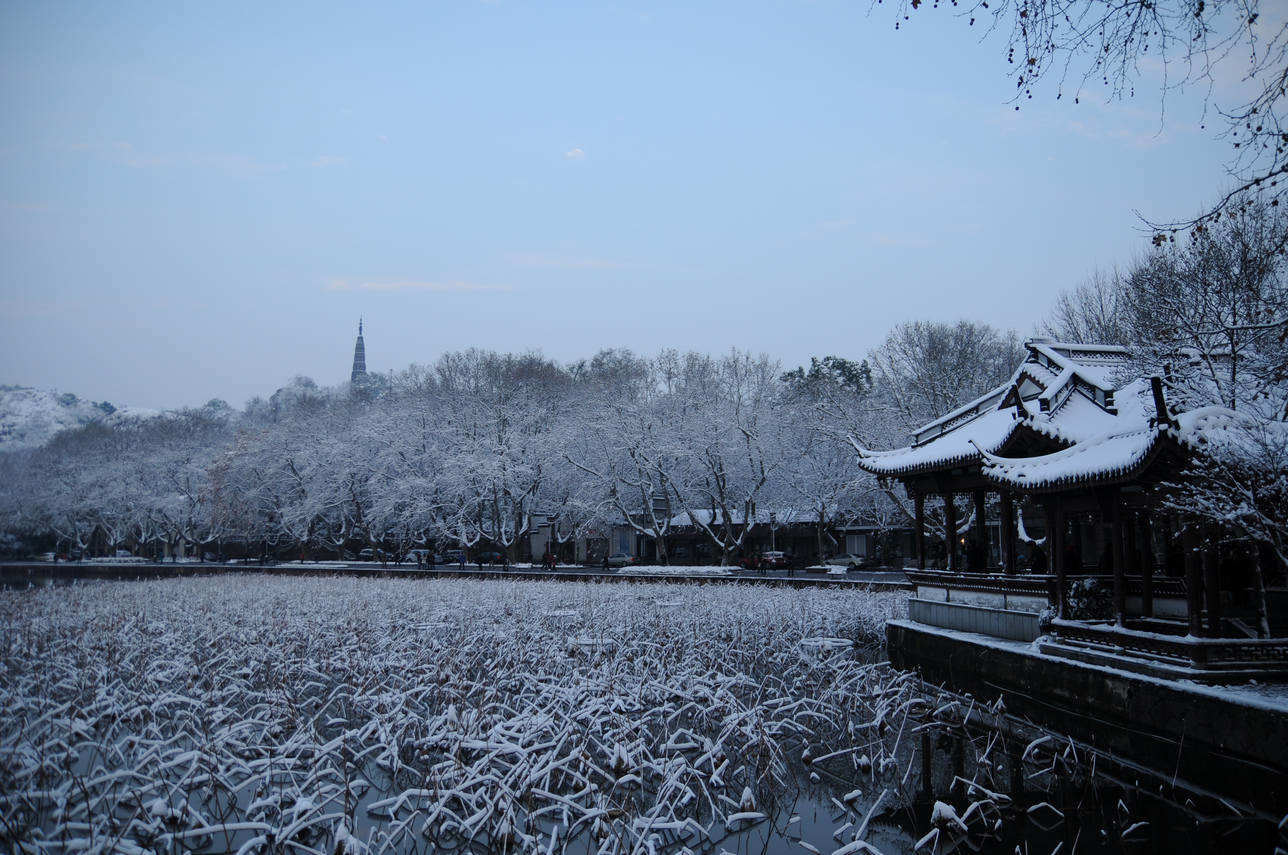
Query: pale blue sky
[199, 201]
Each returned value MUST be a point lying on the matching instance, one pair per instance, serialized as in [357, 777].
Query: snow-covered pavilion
[1073, 433]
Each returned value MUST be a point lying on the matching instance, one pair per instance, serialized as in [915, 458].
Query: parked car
[774, 560]
[453, 556]
[370, 554]
[490, 556]
[846, 560]
[620, 559]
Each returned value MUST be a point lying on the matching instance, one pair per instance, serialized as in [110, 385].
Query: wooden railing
[1042, 584]
[1204, 653]
[1034, 584]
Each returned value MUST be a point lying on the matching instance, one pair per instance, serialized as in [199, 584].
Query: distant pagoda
[359, 374]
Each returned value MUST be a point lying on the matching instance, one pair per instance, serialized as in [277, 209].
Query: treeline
[482, 446]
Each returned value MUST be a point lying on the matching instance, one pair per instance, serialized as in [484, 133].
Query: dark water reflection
[961, 780]
[1014, 788]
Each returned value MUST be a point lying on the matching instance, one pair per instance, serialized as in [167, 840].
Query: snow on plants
[255, 714]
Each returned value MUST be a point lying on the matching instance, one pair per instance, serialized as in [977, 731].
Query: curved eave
[1161, 441]
[955, 462]
[871, 461]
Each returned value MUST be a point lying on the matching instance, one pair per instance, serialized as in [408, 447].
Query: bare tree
[925, 369]
[1116, 45]
[1090, 313]
[1211, 314]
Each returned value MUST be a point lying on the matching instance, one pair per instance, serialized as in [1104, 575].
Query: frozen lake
[328, 715]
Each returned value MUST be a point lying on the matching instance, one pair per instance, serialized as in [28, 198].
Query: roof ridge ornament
[988, 457]
[1021, 411]
[864, 453]
[1162, 417]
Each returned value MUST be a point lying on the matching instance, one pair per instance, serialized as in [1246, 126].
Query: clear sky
[199, 200]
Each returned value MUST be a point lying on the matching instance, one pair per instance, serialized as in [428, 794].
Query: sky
[200, 201]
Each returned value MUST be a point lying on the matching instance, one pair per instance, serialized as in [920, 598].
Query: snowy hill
[30, 417]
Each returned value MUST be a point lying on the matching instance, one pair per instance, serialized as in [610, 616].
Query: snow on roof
[1074, 386]
[961, 444]
[1107, 457]
[1078, 418]
[1076, 395]
[965, 413]
[1129, 443]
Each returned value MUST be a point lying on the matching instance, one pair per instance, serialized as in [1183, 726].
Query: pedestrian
[605, 562]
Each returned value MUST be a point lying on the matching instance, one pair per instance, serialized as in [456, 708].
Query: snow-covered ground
[677, 570]
[374, 715]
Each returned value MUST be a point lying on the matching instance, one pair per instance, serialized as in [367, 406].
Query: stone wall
[1220, 741]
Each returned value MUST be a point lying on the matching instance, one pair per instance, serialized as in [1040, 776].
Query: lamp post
[773, 526]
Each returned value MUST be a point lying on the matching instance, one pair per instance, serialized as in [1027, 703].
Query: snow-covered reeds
[252, 713]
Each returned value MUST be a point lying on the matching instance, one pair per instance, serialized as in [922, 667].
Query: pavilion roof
[1122, 453]
[1119, 451]
[1066, 392]
[1107, 428]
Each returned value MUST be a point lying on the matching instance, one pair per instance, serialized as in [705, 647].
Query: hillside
[30, 417]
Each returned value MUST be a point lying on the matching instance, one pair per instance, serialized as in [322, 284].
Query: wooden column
[1131, 557]
[1055, 551]
[1193, 581]
[1212, 585]
[919, 503]
[981, 531]
[1169, 536]
[1147, 564]
[1007, 532]
[1074, 538]
[1118, 557]
[950, 531]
